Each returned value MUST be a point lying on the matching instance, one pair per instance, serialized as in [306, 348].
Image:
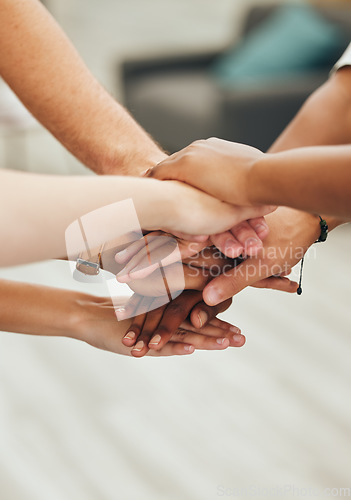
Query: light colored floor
[78, 423]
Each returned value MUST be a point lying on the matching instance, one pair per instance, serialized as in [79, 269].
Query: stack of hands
[256, 251]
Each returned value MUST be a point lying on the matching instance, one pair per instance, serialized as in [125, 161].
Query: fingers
[176, 277]
[170, 324]
[129, 308]
[151, 322]
[135, 328]
[134, 248]
[175, 167]
[248, 273]
[275, 283]
[152, 251]
[161, 249]
[260, 226]
[173, 349]
[235, 280]
[206, 343]
[228, 244]
[202, 314]
[245, 238]
[174, 315]
[212, 336]
[136, 334]
[142, 333]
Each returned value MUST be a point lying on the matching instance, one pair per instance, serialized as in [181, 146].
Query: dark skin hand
[154, 329]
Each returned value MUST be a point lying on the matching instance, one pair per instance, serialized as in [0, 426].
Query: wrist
[257, 181]
[82, 314]
[125, 162]
[163, 206]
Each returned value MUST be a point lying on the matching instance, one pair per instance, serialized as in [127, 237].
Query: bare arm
[45, 71]
[41, 310]
[324, 119]
[41, 207]
[317, 178]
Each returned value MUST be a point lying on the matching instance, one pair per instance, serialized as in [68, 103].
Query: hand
[143, 256]
[171, 322]
[96, 324]
[291, 233]
[217, 167]
[188, 211]
[191, 273]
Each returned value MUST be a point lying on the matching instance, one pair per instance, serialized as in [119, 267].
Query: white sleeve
[345, 60]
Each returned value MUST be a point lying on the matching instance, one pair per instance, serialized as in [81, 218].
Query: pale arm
[45, 71]
[39, 209]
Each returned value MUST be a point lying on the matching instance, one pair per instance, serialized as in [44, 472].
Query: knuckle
[175, 309]
[165, 332]
[135, 327]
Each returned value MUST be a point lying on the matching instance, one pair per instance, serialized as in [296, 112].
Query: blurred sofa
[177, 99]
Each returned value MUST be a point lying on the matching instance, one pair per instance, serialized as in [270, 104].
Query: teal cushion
[295, 38]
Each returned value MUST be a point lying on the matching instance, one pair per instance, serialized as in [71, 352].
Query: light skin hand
[142, 257]
[199, 164]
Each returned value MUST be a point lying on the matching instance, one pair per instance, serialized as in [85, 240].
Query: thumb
[232, 282]
[176, 167]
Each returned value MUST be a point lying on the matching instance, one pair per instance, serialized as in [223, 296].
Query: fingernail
[260, 228]
[130, 336]
[212, 297]
[155, 340]
[203, 317]
[235, 329]
[253, 242]
[237, 337]
[229, 243]
[221, 341]
[121, 312]
[189, 348]
[120, 256]
[139, 346]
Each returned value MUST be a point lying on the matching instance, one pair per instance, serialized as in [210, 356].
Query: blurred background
[271, 420]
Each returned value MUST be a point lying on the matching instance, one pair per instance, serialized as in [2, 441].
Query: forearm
[325, 119]
[315, 180]
[41, 310]
[37, 310]
[39, 209]
[43, 68]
